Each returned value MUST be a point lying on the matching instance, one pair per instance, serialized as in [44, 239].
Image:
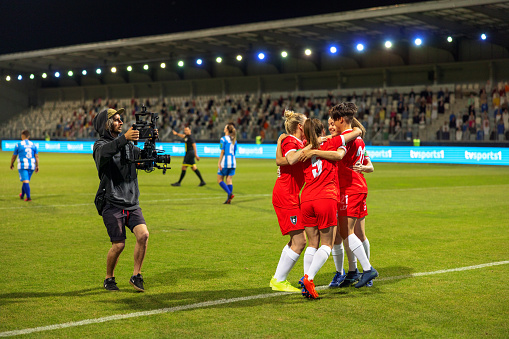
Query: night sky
[27, 25]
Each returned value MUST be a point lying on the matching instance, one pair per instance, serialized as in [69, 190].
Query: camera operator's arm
[179, 134]
[105, 150]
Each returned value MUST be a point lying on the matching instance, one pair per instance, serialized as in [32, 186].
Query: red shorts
[353, 205]
[322, 213]
[289, 219]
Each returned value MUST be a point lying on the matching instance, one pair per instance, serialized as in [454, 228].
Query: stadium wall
[396, 154]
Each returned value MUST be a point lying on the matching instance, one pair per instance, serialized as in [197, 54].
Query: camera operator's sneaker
[137, 282]
[110, 284]
[176, 184]
[350, 279]
[338, 279]
[203, 183]
[366, 277]
[283, 286]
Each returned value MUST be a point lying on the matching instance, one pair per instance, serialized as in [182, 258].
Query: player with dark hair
[227, 162]
[189, 157]
[28, 163]
[319, 198]
[352, 204]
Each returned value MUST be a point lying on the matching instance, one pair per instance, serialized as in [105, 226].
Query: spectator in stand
[445, 131]
[404, 114]
[411, 97]
[486, 126]
[452, 122]
[409, 134]
[441, 106]
[500, 129]
[416, 118]
[440, 94]
[447, 96]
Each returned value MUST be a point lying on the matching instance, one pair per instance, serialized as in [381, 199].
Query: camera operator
[117, 197]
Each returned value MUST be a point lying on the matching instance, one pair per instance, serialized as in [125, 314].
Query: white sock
[321, 256]
[365, 244]
[338, 254]
[352, 259]
[357, 249]
[286, 264]
[308, 258]
[281, 259]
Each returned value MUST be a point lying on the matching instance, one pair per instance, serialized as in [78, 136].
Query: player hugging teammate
[321, 162]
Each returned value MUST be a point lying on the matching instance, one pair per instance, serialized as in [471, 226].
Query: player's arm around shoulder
[280, 159]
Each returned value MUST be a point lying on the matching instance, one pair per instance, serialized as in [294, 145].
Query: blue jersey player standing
[28, 163]
[227, 163]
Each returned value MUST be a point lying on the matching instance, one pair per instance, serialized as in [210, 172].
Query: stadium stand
[398, 113]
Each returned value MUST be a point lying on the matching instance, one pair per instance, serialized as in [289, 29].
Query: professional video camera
[146, 123]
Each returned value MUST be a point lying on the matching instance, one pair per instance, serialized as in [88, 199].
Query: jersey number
[28, 153]
[316, 164]
[360, 154]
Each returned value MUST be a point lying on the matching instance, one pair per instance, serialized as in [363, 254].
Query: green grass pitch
[422, 218]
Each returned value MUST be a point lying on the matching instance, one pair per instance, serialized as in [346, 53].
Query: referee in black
[191, 154]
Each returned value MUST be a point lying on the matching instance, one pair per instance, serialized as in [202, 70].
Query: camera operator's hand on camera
[132, 134]
[156, 134]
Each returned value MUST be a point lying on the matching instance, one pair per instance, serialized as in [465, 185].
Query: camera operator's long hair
[232, 132]
[313, 129]
[347, 110]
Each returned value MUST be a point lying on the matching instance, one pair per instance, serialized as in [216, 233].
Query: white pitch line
[217, 302]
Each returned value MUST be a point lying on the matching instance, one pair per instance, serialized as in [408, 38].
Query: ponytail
[232, 132]
[313, 129]
[356, 123]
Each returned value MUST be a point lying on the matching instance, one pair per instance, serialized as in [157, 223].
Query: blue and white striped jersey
[230, 149]
[26, 151]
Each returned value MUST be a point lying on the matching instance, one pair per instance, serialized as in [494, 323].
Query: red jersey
[290, 177]
[321, 175]
[351, 182]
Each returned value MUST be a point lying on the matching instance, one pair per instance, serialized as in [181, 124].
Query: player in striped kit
[28, 162]
[227, 163]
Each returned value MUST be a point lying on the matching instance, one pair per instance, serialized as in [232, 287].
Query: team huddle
[331, 209]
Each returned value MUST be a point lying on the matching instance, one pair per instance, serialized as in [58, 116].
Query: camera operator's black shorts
[189, 159]
[116, 219]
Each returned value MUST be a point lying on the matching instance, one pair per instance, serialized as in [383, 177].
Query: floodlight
[98, 71]
[180, 63]
[388, 44]
[261, 56]
[333, 49]
[129, 68]
[360, 47]
[418, 41]
[84, 72]
[163, 65]
[284, 54]
[449, 39]
[20, 77]
[239, 57]
[145, 67]
[483, 36]
[199, 61]
[70, 73]
[307, 51]
[57, 74]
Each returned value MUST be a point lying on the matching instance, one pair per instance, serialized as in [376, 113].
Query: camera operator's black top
[113, 158]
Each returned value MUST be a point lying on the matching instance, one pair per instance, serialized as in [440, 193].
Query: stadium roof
[432, 20]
